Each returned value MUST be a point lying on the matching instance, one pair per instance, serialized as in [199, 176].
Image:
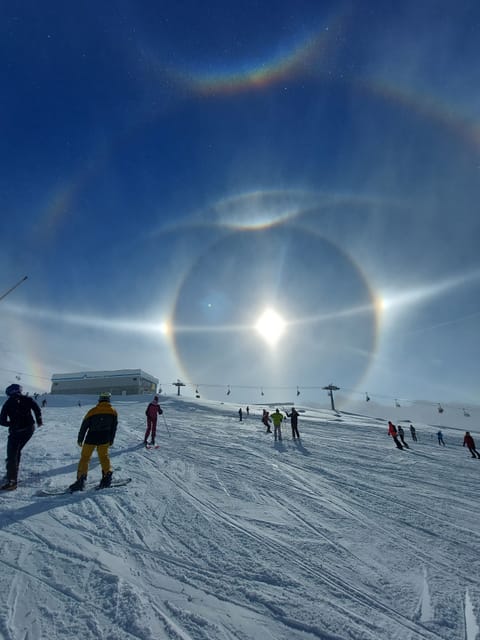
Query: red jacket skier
[152, 412]
[392, 431]
[470, 443]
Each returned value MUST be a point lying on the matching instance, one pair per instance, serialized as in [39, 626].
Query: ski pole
[166, 426]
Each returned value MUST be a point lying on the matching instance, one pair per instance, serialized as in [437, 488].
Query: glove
[80, 443]
[39, 424]
[160, 411]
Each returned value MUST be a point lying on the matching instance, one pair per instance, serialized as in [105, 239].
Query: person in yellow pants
[98, 430]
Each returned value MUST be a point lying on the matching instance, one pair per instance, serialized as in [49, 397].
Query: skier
[16, 414]
[248, 411]
[97, 431]
[277, 419]
[293, 415]
[392, 431]
[240, 414]
[470, 442]
[440, 438]
[152, 412]
[401, 434]
[266, 420]
[413, 432]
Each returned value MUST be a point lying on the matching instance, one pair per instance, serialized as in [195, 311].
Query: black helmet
[13, 389]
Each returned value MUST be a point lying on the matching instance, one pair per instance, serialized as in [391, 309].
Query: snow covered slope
[225, 534]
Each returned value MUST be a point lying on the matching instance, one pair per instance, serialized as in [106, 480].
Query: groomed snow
[225, 534]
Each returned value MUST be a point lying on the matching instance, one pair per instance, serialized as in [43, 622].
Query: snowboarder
[401, 434]
[16, 414]
[413, 433]
[97, 431]
[440, 438]
[392, 431]
[293, 415]
[240, 414]
[266, 420]
[470, 443]
[277, 419]
[152, 412]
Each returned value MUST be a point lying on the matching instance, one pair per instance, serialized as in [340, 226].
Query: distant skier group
[277, 418]
[398, 436]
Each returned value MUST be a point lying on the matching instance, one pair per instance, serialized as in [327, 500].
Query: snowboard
[121, 482]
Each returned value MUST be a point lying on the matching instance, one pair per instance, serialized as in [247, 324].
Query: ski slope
[224, 534]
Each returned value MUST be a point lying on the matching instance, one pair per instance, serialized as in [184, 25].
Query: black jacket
[17, 413]
[99, 426]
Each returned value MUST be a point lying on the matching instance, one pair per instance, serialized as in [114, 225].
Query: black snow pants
[17, 439]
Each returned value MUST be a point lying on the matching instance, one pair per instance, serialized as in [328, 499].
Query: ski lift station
[122, 382]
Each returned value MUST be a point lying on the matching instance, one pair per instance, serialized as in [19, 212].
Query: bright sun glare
[270, 326]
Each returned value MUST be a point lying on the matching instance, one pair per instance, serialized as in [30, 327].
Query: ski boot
[106, 480]
[9, 485]
[78, 485]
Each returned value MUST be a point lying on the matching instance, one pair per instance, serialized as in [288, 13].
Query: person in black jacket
[293, 415]
[16, 414]
[98, 431]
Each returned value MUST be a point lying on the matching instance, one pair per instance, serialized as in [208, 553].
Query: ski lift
[367, 398]
[228, 390]
[261, 392]
[397, 403]
[18, 377]
[197, 393]
[440, 408]
[466, 414]
[159, 390]
[298, 391]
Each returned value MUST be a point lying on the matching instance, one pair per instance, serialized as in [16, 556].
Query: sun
[271, 326]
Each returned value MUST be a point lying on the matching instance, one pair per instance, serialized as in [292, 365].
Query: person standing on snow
[440, 438]
[392, 431]
[277, 419]
[413, 433]
[401, 434]
[266, 420]
[293, 415]
[240, 414]
[152, 412]
[16, 414]
[470, 443]
[97, 431]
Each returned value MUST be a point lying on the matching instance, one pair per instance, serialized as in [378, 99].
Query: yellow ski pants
[87, 450]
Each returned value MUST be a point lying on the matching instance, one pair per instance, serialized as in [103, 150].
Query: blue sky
[191, 166]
